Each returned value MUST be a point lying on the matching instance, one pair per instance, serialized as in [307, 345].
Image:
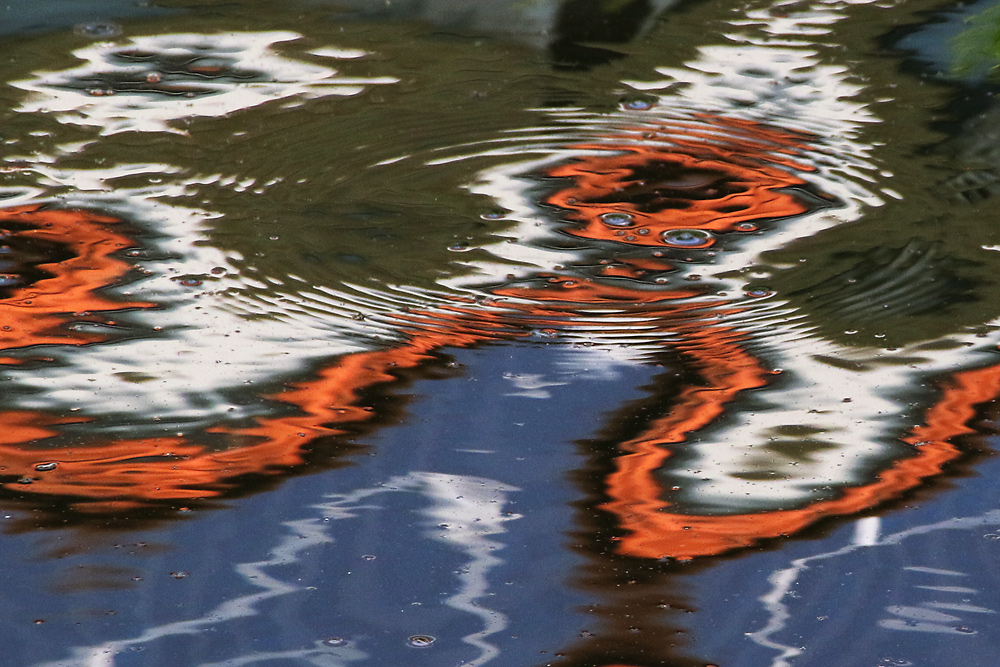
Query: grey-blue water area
[440, 528]
[908, 587]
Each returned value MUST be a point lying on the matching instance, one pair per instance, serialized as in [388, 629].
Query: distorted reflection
[157, 357]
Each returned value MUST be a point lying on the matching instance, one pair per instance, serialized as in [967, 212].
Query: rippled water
[515, 333]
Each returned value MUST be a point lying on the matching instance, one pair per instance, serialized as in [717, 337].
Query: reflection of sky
[471, 552]
[914, 587]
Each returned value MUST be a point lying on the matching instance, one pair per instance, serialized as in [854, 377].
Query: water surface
[594, 334]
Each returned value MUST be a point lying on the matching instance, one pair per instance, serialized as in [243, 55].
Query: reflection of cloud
[146, 83]
[472, 508]
[928, 617]
[531, 385]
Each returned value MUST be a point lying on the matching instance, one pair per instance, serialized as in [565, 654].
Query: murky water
[615, 334]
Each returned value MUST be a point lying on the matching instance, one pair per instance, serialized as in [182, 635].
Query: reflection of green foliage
[976, 50]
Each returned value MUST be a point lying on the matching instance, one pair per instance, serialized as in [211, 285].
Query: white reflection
[147, 83]
[472, 508]
[921, 618]
[202, 341]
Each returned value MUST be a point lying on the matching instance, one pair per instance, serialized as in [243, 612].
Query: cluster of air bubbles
[687, 238]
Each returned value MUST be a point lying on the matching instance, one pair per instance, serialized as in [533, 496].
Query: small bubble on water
[368, 557]
[335, 641]
[746, 227]
[459, 247]
[420, 641]
[493, 215]
[687, 238]
[637, 104]
[757, 292]
[99, 29]
[190, 282]
[178, 575]
[618, 219]
[9, 279]
[45, 467]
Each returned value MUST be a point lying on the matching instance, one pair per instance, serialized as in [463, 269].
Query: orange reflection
[45, 297]
[655, 532]
[700, 183]
[700, 180]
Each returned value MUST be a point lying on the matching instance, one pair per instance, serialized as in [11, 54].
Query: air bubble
[46, 467]
[335, 641]
[99, 29]
[618, 219]
[688, 238]
[420, 641]
[637, 104]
